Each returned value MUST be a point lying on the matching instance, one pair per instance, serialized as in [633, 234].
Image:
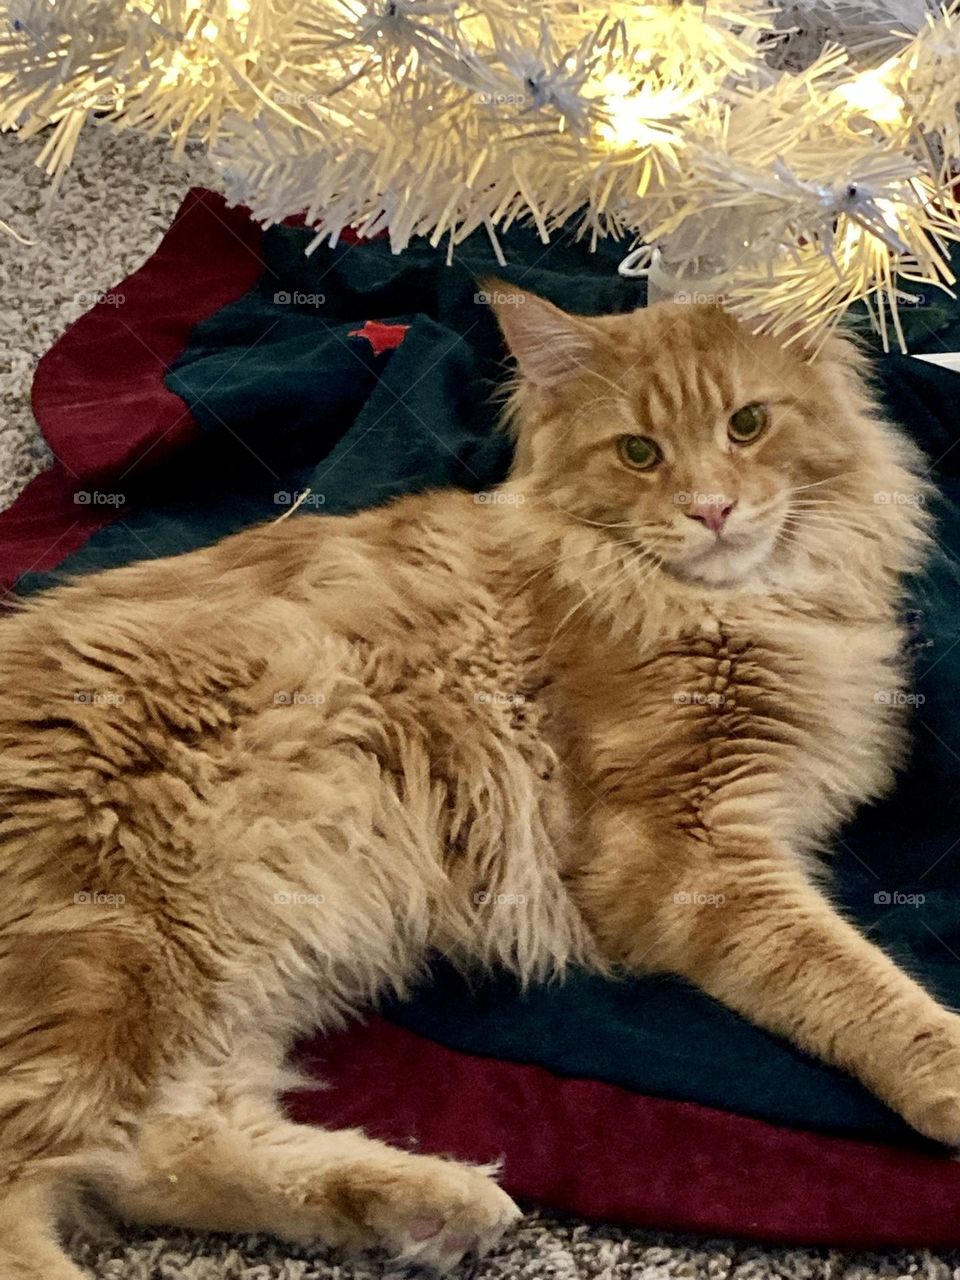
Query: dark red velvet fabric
[601, 1151]
[99, 393]
[575, 1145]
[45, 524]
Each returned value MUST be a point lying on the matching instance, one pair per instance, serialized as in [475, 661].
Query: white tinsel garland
[803, 172]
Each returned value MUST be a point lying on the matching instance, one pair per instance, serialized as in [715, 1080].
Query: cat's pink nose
[711, 513]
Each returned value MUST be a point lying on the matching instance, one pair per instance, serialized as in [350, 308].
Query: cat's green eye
[639, 452]
[747, 423]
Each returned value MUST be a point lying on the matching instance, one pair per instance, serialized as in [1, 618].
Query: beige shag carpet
[115, 205]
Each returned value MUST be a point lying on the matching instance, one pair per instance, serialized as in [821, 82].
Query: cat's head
[722, 454]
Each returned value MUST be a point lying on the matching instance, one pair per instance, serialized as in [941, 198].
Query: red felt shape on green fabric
[382, 337]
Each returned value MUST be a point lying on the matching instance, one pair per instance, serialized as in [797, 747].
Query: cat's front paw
[434, 1212]
[937, 1117]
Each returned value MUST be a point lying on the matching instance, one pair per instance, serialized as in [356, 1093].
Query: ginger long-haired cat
[246, 790]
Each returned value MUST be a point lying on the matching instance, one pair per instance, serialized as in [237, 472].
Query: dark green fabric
[286, 398]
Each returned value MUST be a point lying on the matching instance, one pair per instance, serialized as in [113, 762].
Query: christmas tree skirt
[232, 374]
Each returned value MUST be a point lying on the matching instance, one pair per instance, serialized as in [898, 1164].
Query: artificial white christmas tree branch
[800, 188]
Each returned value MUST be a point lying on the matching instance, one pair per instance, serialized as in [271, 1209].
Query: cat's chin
[724, 565]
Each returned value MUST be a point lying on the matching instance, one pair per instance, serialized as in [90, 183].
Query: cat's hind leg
[239, 1165]
[76, 1040]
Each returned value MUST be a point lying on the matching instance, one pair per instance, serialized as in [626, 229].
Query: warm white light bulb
[639, 115]
[869, 93]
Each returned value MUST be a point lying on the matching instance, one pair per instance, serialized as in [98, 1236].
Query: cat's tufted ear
[795, 337]
[548, 344]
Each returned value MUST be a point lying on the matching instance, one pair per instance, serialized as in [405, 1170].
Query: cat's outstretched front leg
[745, 924]
[242, 1167]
